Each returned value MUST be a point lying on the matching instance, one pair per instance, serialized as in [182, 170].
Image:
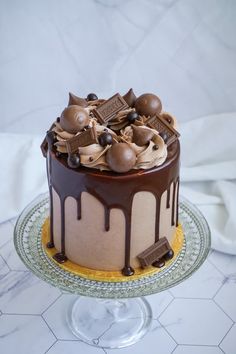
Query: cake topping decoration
[92, 97]
[148, 105]
[141, 136]
[130, 98]
[108, 110]
[73, 160]
[154, 253]
[132, 116]
[85, 138]
[165, 129]
[105, 139]
[75, 100]
[121, 157]
[74, 119]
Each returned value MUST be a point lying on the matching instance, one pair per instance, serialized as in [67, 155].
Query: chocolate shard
[44, 145]
[163, 127]
[130, 98]
[83, 139]
[75, 100]
[154, 252]
[108, 110]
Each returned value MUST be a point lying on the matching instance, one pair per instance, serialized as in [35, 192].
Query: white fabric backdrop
[208, 173]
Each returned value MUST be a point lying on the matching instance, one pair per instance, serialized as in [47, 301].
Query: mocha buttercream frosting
[123, 136]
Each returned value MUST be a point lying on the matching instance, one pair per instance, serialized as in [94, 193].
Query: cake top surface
[116, 134]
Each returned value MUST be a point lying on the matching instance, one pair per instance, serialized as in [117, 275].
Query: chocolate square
[108, 110]
[162, 126]
[86, 138]
[154, 252]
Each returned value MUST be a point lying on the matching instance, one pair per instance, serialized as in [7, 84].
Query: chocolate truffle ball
[121, 157]
[148, 105]
[74, 119]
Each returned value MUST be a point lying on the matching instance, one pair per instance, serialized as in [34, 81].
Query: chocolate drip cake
[113, 175]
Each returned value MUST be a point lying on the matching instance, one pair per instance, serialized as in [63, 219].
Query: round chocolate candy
[121, 157]
[159, 263]
[73, 160]
[74, 119]
[132, 116]
[164, 136]
[169, 255]
[105, 139]
[92, 97]
[148, 105]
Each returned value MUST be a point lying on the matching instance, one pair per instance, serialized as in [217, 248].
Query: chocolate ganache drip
[113, 191]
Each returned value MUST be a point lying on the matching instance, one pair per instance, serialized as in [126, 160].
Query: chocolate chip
[73, 160]
[90, 158]
[164, 136]
[132, 116]
[105, 139]
[92, 97]
[155, 147]
[58, 119]
[169, 255]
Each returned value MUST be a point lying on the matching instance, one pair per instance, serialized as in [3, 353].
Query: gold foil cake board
[111, 276]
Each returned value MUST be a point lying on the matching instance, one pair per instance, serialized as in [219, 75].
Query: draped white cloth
[208, 173]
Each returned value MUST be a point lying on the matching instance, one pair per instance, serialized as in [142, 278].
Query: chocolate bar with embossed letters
[162, 126]
[154, 252]
[108, 110]
[85, 138]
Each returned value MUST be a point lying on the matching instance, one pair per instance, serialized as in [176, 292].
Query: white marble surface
[185, 51]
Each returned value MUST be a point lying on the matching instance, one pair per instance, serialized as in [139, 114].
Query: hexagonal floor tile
[24, 335]
[73, 347]
[3, 268]
[224, 262]
[6, 232]
[156, 340]
[202, 284]
[197, 349]
[159, 302]
[23, 293]
[56, 315]
[8, 253]
[195, 321]
[229, 342]
[226, 298]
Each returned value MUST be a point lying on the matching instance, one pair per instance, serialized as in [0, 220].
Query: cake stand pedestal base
[110, 323]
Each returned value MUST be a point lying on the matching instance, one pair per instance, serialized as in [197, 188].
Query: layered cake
[113, 175]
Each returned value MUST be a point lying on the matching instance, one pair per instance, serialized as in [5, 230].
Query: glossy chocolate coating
[141, 136]
[74, 119]
[75, 100]
[132, 116]
[105, 139]
[114, 191]
[73, 160]
[148, 105]
[92, 97]
[130, 98]
[121, 157]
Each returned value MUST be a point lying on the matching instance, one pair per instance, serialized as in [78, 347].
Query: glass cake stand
[110, 314]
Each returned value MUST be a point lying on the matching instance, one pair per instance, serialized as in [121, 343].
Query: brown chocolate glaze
[113, 190]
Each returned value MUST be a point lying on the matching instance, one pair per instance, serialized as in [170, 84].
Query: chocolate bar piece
[162, 126]
[154, 252]
[86, 138]
[108, 110]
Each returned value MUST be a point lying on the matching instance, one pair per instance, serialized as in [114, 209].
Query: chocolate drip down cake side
[113, 175]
